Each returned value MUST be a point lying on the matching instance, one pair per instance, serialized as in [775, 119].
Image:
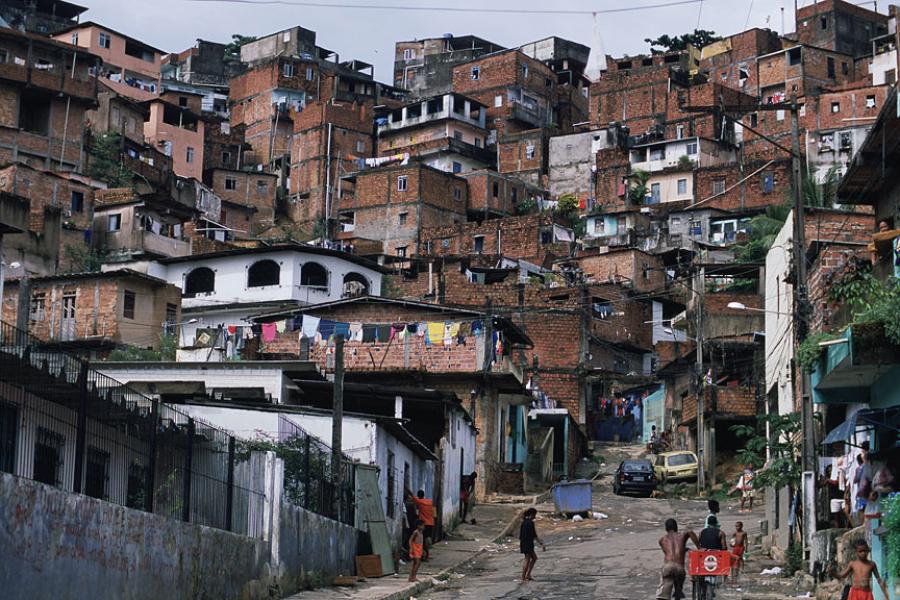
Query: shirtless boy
[863, 569]
[674, 547]
[738, 546]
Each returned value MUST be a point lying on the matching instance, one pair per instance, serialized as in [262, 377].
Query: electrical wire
[459, 9]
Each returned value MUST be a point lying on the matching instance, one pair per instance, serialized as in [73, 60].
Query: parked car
[635, 476]
[678, 465]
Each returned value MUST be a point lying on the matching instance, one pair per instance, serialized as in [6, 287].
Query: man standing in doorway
[426, 514]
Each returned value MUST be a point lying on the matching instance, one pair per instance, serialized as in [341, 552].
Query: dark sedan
[635, 476]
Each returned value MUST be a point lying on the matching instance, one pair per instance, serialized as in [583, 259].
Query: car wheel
[616, 490]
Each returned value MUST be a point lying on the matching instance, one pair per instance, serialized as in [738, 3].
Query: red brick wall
[249, 192]
[747, 194]
[498, 73]
[45, 189]
[428, 201]
[518, 236]
[633, 268]
[526, 155]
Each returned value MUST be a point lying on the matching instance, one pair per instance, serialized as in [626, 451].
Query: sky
[369, 35]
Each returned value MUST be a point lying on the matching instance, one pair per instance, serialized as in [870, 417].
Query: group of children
[674, 547]
[420, 517]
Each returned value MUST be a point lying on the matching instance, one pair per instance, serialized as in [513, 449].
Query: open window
[201, 280]
[355, 285]
[262, 273]
[34, 113]
[313, 274]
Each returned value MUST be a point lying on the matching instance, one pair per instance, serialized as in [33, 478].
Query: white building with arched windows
[223, 289]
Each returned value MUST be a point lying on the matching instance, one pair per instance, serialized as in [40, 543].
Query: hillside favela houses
[256, 294]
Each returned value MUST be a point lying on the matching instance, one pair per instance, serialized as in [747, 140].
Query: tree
[81, 259]
[637, 191]
[819, 194]
[762, 231]
[698, 39]
[233, 49]
[781, 469]
[106, 161]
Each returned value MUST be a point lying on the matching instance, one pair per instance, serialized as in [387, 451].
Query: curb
[422, 586]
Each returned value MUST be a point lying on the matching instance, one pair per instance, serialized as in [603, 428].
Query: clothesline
[322, 330]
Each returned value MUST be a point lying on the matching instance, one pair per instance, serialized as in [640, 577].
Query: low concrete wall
[55, 544]
[312, 549]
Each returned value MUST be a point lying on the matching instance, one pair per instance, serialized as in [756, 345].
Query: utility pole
[701, 404]
[800, 330]
[337, 422]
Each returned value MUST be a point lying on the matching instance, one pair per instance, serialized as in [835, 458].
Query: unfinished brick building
[392, 205]
[519, 91]
[425, 67]
[329, 138]
[45, 90]
[93, 311]
[538, 239]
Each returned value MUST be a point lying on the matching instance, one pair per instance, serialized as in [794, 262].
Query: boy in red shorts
[863, 569]
[738, 546]
[416, 543]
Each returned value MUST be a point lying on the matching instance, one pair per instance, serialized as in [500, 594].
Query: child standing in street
[416, 544]
[738, 546]
[862, 569]
[527, 537]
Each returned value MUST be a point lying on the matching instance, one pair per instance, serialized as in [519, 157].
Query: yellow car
[678, 465]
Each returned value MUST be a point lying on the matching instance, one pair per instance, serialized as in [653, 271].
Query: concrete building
[126, 60]
[445, 132]
[47, 89]
[175, 127]
[45, 17]
[839, 26]
[425, 67]
[224, 289]
[450, 363]
[93, 311]
[573, 163]
[391, 205]
[128, 227]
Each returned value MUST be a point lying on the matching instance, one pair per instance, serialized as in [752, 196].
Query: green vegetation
[80, 259]
[637, 191]
[783, 469]
[698, 39]
[106, 161]
[816, 194]
[762, 232]
[233, 48]
[793, 559]
[685, 162]
[167, 347]
[526, 206]
[809, 352]
[890, 510]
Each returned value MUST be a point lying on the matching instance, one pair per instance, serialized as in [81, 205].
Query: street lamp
[742, 306]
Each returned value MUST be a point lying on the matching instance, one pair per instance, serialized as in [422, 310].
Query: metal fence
[308, 480]
[67, 425]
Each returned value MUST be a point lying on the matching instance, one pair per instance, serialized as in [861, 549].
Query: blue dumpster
[571, 497]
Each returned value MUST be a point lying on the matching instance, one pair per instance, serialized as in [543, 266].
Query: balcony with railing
[529, 113]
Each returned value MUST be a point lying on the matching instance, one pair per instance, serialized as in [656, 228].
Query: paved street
[615, 558]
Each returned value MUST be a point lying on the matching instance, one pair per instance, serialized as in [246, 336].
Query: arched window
[313, 274]
[355, 285]
[199, 281]
[264, 272]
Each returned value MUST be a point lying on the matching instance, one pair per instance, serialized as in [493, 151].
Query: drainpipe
[328, 181]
